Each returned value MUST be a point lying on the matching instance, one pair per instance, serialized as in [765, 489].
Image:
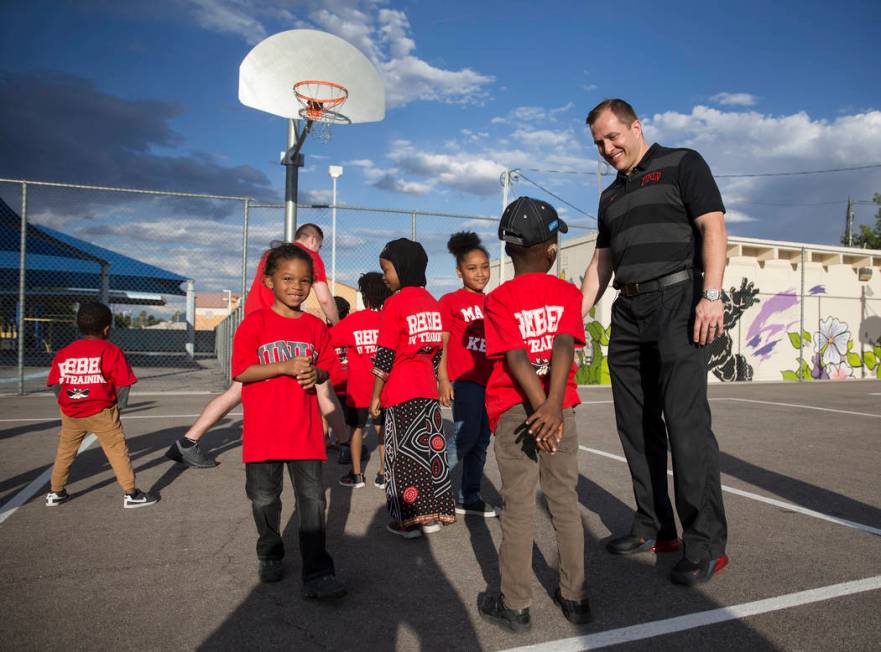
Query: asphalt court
[800, 464]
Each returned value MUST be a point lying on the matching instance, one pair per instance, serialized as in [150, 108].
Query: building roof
[216, 300]
[58, 260]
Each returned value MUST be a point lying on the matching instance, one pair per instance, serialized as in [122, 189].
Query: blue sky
[117, 93]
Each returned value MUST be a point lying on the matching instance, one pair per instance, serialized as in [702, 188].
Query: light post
[228, 294]
[335, 172]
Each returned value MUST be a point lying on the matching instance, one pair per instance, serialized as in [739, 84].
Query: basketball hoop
[318, 100]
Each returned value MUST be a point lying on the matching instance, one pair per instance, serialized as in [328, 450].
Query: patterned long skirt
[418, 488]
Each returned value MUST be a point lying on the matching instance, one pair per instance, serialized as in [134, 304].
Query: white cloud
[384, 35]
[734, 99]
[532, 114]
[737, 217]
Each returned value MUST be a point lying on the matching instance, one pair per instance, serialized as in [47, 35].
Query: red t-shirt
[526, 313]
[339, 376]
[89, 371]
[411, 325]
[462, 312]
[261, 296]
[358, 333]
[281, 419]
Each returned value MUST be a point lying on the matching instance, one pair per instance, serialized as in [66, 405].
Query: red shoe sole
[667, 545]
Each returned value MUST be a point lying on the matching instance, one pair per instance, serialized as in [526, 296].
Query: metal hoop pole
[245, 223]
[22, 260]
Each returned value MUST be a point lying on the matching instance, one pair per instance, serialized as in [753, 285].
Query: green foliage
[596, 371]
[789, 375]
[868, 237]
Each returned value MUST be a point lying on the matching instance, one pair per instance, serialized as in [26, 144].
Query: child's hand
[546, 425]
[445, 388]
[308, 378]
[375, 407]
[297, 366]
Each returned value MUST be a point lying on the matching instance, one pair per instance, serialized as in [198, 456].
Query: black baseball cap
[527, 221]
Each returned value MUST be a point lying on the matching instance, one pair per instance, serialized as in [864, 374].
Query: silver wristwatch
[712, 295]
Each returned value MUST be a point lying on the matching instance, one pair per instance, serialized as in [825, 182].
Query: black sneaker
[270, 570]
[477, 508]
[631, 544]
[345, 455]
[139, 498]
[379, 481]
[689, 573]
[325, 587]
[190, 455]
[494, 609]
[576, 612]
[353, 480]
[55, 498]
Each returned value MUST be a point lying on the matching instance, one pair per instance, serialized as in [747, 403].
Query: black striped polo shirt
[646, 218]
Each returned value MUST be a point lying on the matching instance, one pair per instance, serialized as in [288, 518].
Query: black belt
[635, 289]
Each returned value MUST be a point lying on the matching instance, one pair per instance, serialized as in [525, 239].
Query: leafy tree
[868, 237]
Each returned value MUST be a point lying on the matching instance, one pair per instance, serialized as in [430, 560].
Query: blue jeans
[471, 428]
[263, 484]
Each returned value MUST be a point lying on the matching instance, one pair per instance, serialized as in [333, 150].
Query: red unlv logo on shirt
[281, 351]
[424, 327]
[538, 327]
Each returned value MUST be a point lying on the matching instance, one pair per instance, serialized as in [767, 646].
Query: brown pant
[107, 428]
[522, 468]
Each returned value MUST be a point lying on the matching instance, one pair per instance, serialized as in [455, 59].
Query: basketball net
[318, 100]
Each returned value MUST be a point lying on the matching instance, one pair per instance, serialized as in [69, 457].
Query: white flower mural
[839, 372]
[831, 341]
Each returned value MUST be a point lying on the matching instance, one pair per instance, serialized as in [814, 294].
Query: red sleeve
[571, 322]
[446, 311]
[117, 369]
[259, 296]
[245, 345]
[318, 272]
[500, 327]
[54, 374]
[338, 334]
[327, 357]
[389, 325]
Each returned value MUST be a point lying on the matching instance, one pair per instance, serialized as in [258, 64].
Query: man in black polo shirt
[662, 232]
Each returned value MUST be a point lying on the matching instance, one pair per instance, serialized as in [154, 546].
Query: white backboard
[268, 73]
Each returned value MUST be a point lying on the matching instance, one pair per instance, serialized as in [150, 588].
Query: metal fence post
[801, 321]
[190, 345]
[22, 260]
[413, 226]
[245, 218]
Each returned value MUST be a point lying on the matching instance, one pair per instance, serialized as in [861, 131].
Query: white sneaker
[55, 498]
[434, 526]
[139, 498]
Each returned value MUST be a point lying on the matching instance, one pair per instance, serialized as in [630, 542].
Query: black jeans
[263, 484]
[659, 384]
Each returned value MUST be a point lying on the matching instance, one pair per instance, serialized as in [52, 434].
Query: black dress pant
[659, 385]
[263, 484]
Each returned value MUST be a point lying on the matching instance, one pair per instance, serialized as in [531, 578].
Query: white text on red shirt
[365, 341]
[424, 327]
[81, 371]
[538, 326]
[471, 313]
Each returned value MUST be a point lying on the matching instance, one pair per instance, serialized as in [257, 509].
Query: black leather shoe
[690, 573]
[494, 609]
[632, 544]
[576, 612]
[270, 570]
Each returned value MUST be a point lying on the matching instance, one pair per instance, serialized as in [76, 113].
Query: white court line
[19, 499]
[703, 618]
[798, 405]
[125, 417]
[764, 499]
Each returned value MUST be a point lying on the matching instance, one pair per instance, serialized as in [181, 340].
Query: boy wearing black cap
[533, 324]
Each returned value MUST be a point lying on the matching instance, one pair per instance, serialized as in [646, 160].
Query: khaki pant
[523, 468]
[107, 428]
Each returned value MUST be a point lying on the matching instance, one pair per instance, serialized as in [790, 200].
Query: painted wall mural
[764, 341]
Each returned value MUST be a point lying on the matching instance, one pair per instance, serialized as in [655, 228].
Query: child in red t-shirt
[279, 355]
[464, 370]
[357, 334]
[533, 324]
[339, 378]
[92, 379]
[418, 489]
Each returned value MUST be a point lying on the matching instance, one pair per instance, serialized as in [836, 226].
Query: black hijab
[409, 259]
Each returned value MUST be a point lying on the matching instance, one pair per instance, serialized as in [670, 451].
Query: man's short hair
[622, 110]
[93, 317]
[309, 229]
